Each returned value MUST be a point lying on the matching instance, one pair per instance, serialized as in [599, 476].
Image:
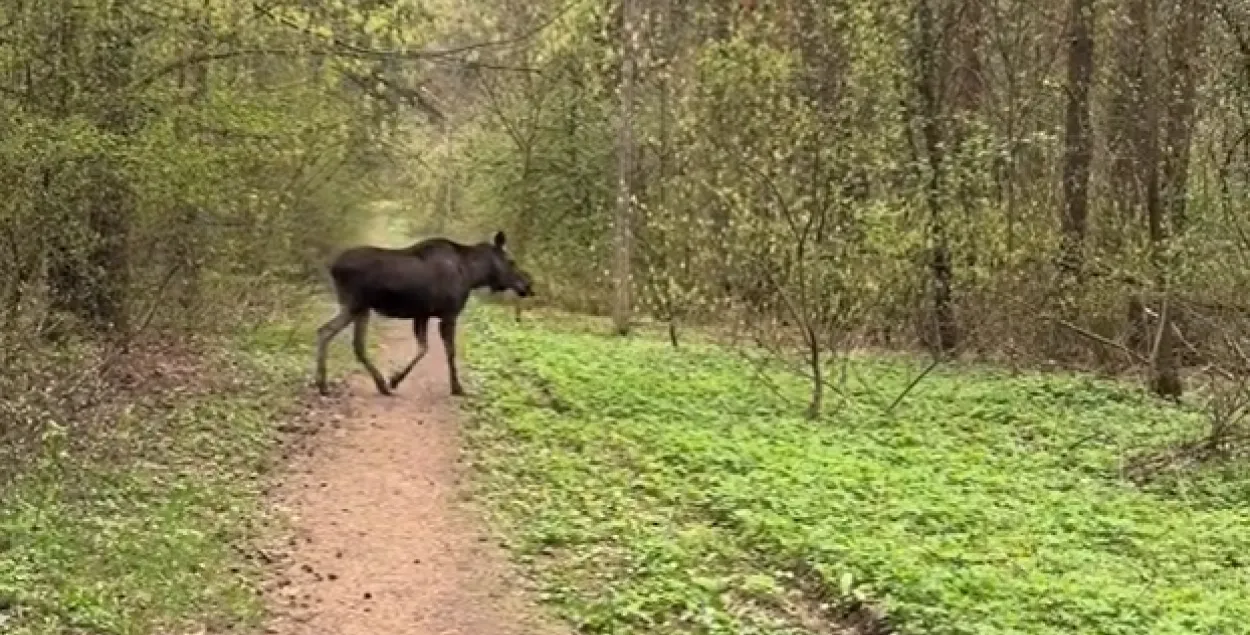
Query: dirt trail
[384, 544]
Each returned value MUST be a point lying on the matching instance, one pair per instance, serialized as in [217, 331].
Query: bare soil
[384, 542]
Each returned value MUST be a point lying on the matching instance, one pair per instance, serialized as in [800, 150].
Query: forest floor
[640, 488]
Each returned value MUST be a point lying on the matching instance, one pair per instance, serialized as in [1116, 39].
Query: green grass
[653, 491]
[145, 539]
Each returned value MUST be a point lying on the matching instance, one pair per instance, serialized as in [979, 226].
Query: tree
[1078, 145]
[622, 223]
[929, 82]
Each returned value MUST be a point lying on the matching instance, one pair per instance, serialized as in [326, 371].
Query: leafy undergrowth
[652, 490]
[144, 534]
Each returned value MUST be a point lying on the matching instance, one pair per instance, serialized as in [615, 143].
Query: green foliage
[652, 490]
[153, 145]
[175, 168]
[744, 115]
[146, 535]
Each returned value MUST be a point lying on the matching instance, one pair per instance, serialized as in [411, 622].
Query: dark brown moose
[432, 278]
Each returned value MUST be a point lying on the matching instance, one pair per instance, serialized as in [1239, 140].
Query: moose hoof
[457, 391]
[394, 382]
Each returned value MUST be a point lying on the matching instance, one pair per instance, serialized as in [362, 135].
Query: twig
[914, 382]
[156, 300]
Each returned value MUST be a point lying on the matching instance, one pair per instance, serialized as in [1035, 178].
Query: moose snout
[523, 286]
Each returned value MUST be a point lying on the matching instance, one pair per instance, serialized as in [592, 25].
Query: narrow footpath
[384, 542]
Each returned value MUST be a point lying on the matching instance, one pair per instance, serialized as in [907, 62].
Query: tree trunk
[665, 155]
[1167, 209]
[928, 84]
[1183, 48]
[199, 82]
[1077, 142]
[622, 229]
[969, 77]
[817, 402]
[1129, 126]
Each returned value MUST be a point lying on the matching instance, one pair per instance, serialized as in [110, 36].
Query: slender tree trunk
[817, 402]
[1143, 119]
[946, 333]
[1128, 129]
[199, 83]
[1184, 47]
[1077, 141]
[1167, 218]
[665, 132]
[622, 230]
[968, 78]
[970, 73]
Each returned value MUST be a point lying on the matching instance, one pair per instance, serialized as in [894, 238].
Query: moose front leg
[447, 329]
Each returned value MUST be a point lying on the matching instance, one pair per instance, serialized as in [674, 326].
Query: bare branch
[913, 383]
[426, 54]
[204, 57]
[1101, 340]
[412, 96]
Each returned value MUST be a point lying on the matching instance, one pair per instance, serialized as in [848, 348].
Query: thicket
[1032, 182]
[179, 168]
[1035, 183]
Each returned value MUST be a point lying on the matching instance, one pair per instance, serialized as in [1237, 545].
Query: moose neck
[476, 263]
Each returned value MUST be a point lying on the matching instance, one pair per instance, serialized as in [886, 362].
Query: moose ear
[500, 239]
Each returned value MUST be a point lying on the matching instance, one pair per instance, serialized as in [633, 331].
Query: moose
[432, 278]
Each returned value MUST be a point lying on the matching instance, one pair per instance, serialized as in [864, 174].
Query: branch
[1243, 41]
[426, 54]
[492, 66]
[215, 56]
[411, 95]
[498, 109]
[781, 199]
[1101, 340]
[758, 367]
[342, 49]
[914, 382]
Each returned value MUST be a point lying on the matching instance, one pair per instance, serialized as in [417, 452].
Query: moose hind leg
[447, 329]
[421, 330]
[325, 334]
[358, 347]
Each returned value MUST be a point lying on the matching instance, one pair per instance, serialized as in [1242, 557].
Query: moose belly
[406, 306]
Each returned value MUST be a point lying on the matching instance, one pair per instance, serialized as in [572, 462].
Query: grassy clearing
[659, 491]
[143, 537]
